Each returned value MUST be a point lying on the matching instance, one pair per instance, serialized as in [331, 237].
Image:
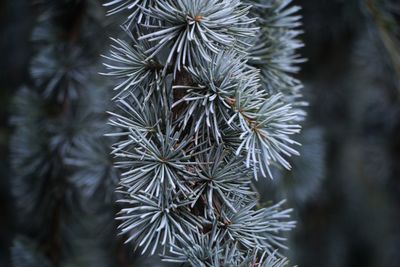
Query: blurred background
[57, 181]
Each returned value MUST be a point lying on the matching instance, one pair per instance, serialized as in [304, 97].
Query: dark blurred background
[345, 189]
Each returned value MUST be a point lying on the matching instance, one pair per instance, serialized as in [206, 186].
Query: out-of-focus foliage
[386, 14]
[353, 87]
[63, 179]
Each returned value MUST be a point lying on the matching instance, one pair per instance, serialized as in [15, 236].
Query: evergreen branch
[219, 108]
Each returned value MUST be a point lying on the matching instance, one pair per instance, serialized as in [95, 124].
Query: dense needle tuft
[194, 29]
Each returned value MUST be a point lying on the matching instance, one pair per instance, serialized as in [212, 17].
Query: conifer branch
[207, 102]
